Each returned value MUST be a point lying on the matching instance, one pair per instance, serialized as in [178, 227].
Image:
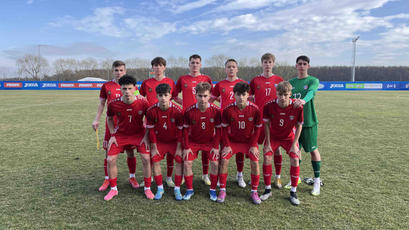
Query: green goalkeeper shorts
[308, 138]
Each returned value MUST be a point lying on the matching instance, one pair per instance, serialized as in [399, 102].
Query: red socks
[267, 171]
[278, 160]
[169, 163]
[205, 162]
[295, 173]
[147, 182]
[213, 180]
[158, 180]
[178, 180]
[240, 162]
[189, 182]
[131, 164]
[255, 179]
[112, 182]
[223, 180]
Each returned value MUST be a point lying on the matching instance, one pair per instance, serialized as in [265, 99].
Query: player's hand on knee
[112, 140]
[186, 153]
[215, 153]
[226, 150]
[154, 152]
[267, 148]
[146, 142]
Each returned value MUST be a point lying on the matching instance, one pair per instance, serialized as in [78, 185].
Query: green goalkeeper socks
[316, 166]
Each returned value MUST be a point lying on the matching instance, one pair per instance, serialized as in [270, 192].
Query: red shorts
[163, 149]
[127, 142]
[240, 148]
[196, 147]
[286, 144]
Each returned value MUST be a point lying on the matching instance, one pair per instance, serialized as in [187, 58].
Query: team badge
[258, 87]
[140, 112]
[156, 120]
[223, 90]
[193, 122]
[275, 85]
[250, 118]
[291, 117]
[272, 116]
[172, 120]
[109, 92]
[119, 114]
[232, 119]
[185, 85]
[305, 86]
[150, 89]
[211, 120]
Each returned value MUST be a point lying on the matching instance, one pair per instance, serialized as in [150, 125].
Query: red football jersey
[167, 125]
[201, 126]
[148, 87]
[186, 84]
[224, 89]
[242, 123]
[264, 89]
[282, 120]
[109, 91]
[130, 116]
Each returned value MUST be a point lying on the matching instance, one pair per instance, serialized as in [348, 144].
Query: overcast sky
[321, 29]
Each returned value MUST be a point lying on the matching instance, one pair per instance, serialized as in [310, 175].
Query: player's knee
[268, 159]
[145, 159]
[111, 160]
[294, 161]
[214, 164]
[187, 164]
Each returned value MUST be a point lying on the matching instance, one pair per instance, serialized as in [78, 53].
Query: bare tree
[32, 66]
[216, 60]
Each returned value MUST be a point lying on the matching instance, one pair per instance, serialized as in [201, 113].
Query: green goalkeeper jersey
[305, 89]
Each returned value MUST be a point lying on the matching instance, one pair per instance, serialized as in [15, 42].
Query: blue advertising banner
[77, 85]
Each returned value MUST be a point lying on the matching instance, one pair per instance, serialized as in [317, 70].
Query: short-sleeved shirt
[301, 87]
[282, 120]
[224, 89]
[148, 89]
[186, 84]
[241, 122]
[130, 116]
[109, 91]
[202, 125]
[165, 123]
[264, 89]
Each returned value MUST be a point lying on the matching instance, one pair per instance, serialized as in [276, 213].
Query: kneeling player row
[202, 127]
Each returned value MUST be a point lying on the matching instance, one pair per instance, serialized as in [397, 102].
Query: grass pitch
[50, 171]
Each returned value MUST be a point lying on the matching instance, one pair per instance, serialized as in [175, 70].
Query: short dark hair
[304, 58]
[162, 88]
[127, 80]
[118, 63]
[241, 87]
[230, 60]
[203, 86]
[194, 56]
[158, 61]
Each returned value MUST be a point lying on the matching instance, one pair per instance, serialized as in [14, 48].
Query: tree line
[32, 67]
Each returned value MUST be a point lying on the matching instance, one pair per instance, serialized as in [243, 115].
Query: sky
[120, 29]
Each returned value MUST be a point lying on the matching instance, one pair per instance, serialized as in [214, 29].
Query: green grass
[50, 171]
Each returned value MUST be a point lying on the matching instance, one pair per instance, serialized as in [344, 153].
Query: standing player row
[262, 87]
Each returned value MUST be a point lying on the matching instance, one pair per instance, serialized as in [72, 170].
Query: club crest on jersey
[193, 122]
[140, 112]
[258, 87]
[223, 90]
[250, 118]
[232, 119]
[185, 85]
[211, 120]
[305, 86]
[172, 120]
[156, 120]
[109, 92]
[150, 89]
[291, 117]
[272, 116]
[119, 114]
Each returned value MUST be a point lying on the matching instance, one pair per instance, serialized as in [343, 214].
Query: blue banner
[78, 85]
